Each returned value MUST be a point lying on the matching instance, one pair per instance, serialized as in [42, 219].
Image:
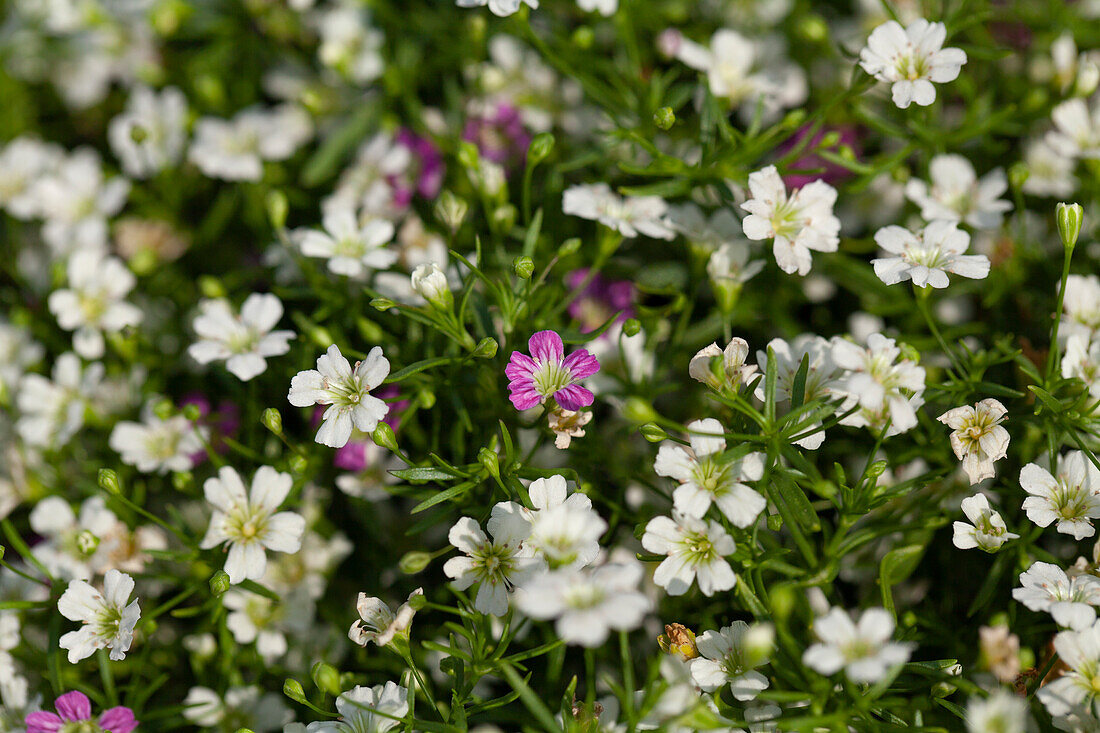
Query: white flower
[1072, 498]
[498, 7]
[349, 44]
[1081, 360]
[603, 7]
[988, 531]
[587, 603]
[706, 477]
[730, 655]
[108, 618]
[430, 283]
[76, 201]
[728, 372]
[1081, 307]
[864, 650]
[565, 534]
[347, 392]
[911, 59]
[1080, 685]
[367, 185]
[925, 257]
[696, 550]
[53, 411]
[359, 708]
[1001, 712]
[74, 547]
[18, 350]
[149, 136]
[95, 301]
[823, 376]
[956, 193]
[351, 248]
[235, 150]
[1070, 601]
[244, 706]
[1077, 130]
[243, 340]
[378, 623]
[631, 216]
[157, 445]
[252, 618]
[977, 437]
[498, 565]
[248, 521]
[23, 161]
[797, 223]
[884, 385]
[729, 269]
[1050, 173]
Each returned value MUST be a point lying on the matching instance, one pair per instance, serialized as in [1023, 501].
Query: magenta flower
[426, 169]
[548, 372]
[600, 300]
[74, 707]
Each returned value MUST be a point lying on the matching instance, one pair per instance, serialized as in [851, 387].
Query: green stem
[1053, 357]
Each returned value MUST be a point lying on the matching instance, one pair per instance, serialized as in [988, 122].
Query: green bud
[830, 139]
[877, 468]
[383, 436]
[451, 210]
[272, 419]
[583, 37]
[653, 433]
[569, 246]
[87, 543]
[192, 412]
[418, 601]
[210, 90]
[414, 562]
[292, 688]
[277, 209]
[486, 348]
[540, 148]
[211, 287]
[164, 409]
[632, 327]
[638, 411]
[813, 28]
[298, 464]
[1018, 175]
[664, 118]
[783, 600]
[490, 460]
[181, 480]
[327, 678]
[2, 552]
[169, 16]
[794, 119]
[943, 689]
[426, 398]
[219, 583]
[1070, 217]
[468, 155]
[108, 481]
[775, 522]
[524, 267]
[382, 304]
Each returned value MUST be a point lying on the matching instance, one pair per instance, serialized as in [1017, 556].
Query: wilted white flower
[243, 340]
[925, 257]
[911, 59]
[723, 368]
[378, 623]
[987, 530]
[977, 437]
[108, 618]
[347, 392]
[797, 223]
[956, 193]
[864, 650]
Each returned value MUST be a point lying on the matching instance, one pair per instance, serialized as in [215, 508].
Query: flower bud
[451, 210]
[653, 433]
[632, 327]
[1018, 175]
[164, 409]
[298, 464]
[429, 282]
[467, 155]
[272, 419]
[181, 480]
[569, 246]
[292, 688]
[108, 481]
[219, 583]
[382, 304]
[664, 118]
[490, 461]
[877, 468]
[326, 678]
[1069, 217]
[277, 206]
[524, 267]
[211, 287]
[638, 411]
[87, 543]
[540, 148]
[414, 562]
[383, 436]
[192, 412]
[426, 398]
[486, 348]
[583, 37]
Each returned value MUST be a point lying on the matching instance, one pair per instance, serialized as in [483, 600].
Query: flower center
[552, 376]
[80, 726]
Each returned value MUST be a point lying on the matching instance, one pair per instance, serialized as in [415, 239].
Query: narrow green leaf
[442, 496]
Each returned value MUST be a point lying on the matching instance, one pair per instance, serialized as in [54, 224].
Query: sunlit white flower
[798, 223]
[378, 623]
[696, 551]
[243, 340]
[603, 7]
[705, 476]
[94, 302]
[823, 376]
[864, 650]
[587, 603]
[1080, 651]
[76, 199]
[723, 368]
[1001, 712]
[1070, 601]
[730, 655]
[349, 44]
[977, 437]
[631, 216]
[248, 520]
[885, 385]
[1081, 308]
[925, 257]
[74, 547]
[1076, 132]
[957, 194]
[911, 59]
[235, 150]
[52, 411]
[350, 247]
[23, 161]
[1071, 498]
[347, 392]
[259, 620]
[149, 136]
[18, 350]
[244, 706]
[1081, 360]
[1049, 172]
[987, 530]
[359, 710]
[565, 534]
[157, 445]
[107, 618]
[498, 565]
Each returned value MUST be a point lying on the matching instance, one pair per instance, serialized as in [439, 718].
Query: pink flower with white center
[74, 713]
[548, 372]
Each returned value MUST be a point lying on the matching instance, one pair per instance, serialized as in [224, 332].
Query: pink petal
[118, 720]
[73, 706]
[581, 364]
[574, 397]
[546, 346]
[43, 723]
[524, 398]
[519, 365]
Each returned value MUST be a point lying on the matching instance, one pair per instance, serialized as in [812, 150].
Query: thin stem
[1053, 357]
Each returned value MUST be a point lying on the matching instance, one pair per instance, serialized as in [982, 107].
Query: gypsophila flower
[1071, 498]
[911, 59]
[705, 476]
[823, 376]
[94, 302]
[1001, 712]
[987, 530]
[696, 551]
[378, 623]
[243, 340]
[1080, 652]
[352, 248]
[885, 385]
[349, 44]
[728, 372]
[108, 618]
[1077, 129]
[1050, 173]
[1081, 309]
[731, 655]
[956, 193]
[498, 565]
[52, 411]
[631, 216]
[1070, 601]
[76, 199]
[863, 650]
[235, 150]
[977, 437]
[359, 710]
[565, 533]
[547, 372]
[248, 521]
[498, 7]
[925, 257]
[157, 445]
[149, 136]
[74, 715]
[797, 223]
[346, 390]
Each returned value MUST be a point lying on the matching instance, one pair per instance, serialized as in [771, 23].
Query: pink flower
[548, 372]
[74, 707]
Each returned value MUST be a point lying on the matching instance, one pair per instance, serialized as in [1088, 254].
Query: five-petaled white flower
[925, 257]
[249, 522]
[696, 550]
[108, 618]
[1001, 712]
[245, 340]
[1071, 601]
[499, 565]
[987, 531]
[957, 194]
[977, 437]
[1080, 684]
[95, 301]
[631, 216]
[864, 650]
[359, 710]
[886, 386]
[157, 445]
[378, 623]
[235, 150]
[911, 59]
[706, 477]
[347, 392]
[1076, 132]
[797, 223]
[731, 655]
[1072, 498]
[351, 248]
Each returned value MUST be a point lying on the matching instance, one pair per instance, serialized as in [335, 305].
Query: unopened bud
[292, 688]
[272, 420]
[429, 282]
[664, 118]
[298, 464]
[1070, 217]
[468, 155]
[326, 678]
[87, 543]
[524, 267]
[414, 562]
[219, 583]
[490, 461]
[382, 304]
[451, 210]
[877, 468]
[632, 327]
[164, 409]
[277, 207]
[192, 412]
[583, 37]
[211, 287]
[1018, 175]
[638, 411]
[569, 246]
[540, 148]
[383, 436]
[108, 481]
[486, 348]
[181, 480]
[426, 397]
[653, 433]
